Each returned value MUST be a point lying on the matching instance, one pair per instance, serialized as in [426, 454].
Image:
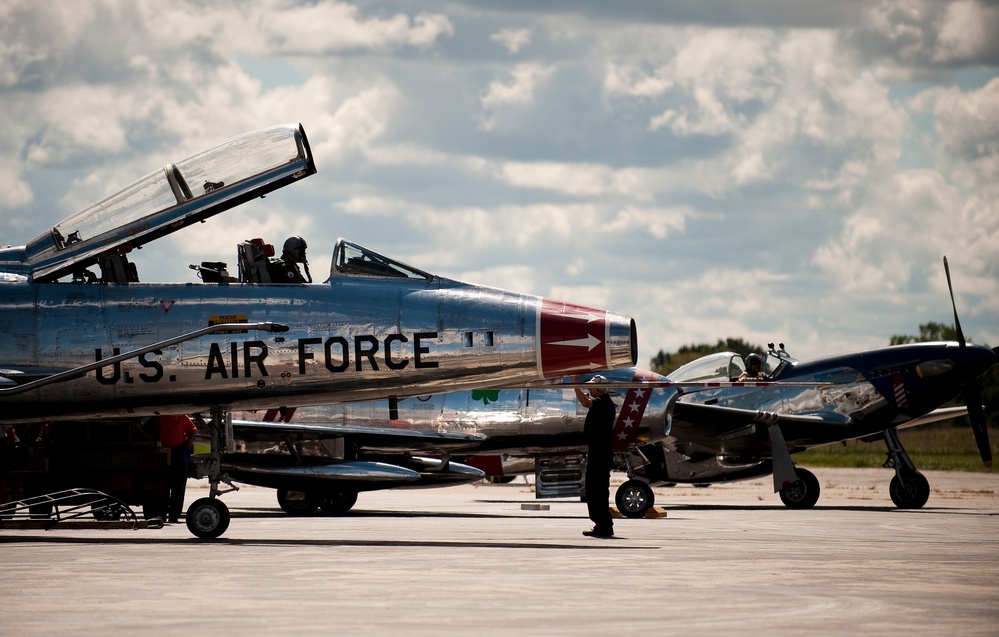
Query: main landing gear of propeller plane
[634, 498]
[909, 489]
[802, 494]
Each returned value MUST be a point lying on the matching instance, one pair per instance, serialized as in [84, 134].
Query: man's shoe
[598, 533]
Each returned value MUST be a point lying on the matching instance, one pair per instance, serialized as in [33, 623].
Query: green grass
[942, 447]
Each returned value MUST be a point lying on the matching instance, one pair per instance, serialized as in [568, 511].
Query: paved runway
[727, 560]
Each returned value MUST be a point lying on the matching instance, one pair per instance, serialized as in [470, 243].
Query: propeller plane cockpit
[106, 347]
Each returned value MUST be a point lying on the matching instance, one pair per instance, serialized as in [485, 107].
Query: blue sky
[775, 171]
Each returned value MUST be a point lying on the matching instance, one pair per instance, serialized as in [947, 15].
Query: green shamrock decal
[486, 395]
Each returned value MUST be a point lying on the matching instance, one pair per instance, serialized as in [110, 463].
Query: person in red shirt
[177, 432]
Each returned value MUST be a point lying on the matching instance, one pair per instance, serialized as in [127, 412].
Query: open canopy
[173, 197]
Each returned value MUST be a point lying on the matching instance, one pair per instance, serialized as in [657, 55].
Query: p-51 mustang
[741, 433]
[668, 430]
[734, 433]
[77, 346]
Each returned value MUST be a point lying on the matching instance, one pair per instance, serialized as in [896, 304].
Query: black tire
[297, 503]
[207, 518]
[338, 502]
[911, 492]
[634, 498]
[804, 493]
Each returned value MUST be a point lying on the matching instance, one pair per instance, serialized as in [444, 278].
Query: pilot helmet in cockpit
[295, 247]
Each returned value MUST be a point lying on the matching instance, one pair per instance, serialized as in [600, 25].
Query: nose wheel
[207, 518]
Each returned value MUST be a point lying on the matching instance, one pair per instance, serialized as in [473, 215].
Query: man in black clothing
[598, 429]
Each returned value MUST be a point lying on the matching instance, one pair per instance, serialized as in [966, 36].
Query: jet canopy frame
[353, 259]
[164, 201]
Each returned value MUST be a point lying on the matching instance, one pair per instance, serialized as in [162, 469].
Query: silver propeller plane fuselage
[698, 426]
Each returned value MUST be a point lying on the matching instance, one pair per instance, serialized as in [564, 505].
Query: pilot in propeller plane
[81, 339]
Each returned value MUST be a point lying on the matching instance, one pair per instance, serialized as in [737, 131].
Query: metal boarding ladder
[72, 508]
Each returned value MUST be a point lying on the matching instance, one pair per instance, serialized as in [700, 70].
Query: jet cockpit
[349, 258]
[354, 259]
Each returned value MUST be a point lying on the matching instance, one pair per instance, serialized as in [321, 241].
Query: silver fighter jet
[81, 339]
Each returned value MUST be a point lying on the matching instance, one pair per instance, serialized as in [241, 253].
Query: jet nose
[575, 339]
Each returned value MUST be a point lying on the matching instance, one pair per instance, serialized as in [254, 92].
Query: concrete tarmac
[726, 560]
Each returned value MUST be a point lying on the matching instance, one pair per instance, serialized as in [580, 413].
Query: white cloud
[966, 29]
[657, 222]
[513, 40]
[573, 179]
[330, 27]
[14, 191]
[968, 126]
[897, 237]
[629, 80]
[518, 92]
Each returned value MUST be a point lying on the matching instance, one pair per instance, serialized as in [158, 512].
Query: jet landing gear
[208, 518]
[909, 489]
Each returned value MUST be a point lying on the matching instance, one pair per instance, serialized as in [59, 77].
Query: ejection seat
[254, 257]
[254, 260]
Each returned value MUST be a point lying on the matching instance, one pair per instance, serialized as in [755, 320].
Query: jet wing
[368, 438]
[171, 198]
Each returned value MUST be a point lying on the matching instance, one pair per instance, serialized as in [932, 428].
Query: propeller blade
[957, 323]
[973, 398]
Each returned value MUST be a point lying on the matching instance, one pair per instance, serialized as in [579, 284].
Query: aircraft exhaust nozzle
[622, 341]
[574, 339]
